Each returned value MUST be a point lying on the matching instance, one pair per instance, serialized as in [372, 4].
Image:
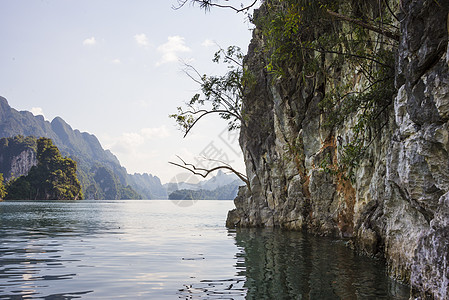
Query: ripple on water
[232, 288]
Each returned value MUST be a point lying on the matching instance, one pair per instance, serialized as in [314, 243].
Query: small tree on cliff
[220, 95]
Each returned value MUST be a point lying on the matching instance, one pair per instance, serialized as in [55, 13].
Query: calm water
[163, 250]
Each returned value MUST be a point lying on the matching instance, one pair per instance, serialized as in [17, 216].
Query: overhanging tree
[208, 4]
[220, 95]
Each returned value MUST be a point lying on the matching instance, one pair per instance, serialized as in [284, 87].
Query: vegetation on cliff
[319, 44]
[54, 177]
[323, 43]
[2, 187]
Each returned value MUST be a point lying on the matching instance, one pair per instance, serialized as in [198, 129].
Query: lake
[161, 249]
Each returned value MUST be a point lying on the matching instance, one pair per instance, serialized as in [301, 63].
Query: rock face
[17, 156]
[398, 204]
[22, 163]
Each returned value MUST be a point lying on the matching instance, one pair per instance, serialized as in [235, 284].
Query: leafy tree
[221, 95]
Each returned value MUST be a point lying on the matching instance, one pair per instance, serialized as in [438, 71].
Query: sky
[114, 68]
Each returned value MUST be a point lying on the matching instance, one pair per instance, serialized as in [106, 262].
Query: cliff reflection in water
[293, 265]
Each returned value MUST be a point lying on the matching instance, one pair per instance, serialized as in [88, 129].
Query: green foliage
[347, 49]
[366, 109]
[2, 188]
[288, 27]
[54, 177]
[220, 95]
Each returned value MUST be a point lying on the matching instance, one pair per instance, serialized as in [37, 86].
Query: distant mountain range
[99, 171]
[220, 187]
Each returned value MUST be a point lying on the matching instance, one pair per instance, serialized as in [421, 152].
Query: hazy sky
[112, 68]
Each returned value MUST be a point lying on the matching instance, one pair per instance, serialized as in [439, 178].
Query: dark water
[166, 250]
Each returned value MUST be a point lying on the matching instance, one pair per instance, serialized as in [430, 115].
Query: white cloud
[90, 41]
[159, 132]
[130, 142]
[116, 61]
[133, 139]
[171, 49]
[37, 111]
[142, 39]
[208, 43]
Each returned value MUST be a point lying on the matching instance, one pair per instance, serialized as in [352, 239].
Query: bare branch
[205, 172]
[207, 4]
[206, 112]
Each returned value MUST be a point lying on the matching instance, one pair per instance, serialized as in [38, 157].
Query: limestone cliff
[397, 204]
[17, 156]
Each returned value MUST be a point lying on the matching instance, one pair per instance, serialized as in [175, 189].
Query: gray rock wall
[398, 205]
[22, 163]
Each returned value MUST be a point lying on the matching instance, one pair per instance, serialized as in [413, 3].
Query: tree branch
[207, 4]
[205, 172]
[385, 32]
[351, 55]
[206, 112]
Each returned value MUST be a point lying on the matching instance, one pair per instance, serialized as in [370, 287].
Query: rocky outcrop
[398, 203]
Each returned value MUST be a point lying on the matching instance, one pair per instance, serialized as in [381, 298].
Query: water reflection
[32, 250]
[50, 218]
[157, 250]
[293, 265]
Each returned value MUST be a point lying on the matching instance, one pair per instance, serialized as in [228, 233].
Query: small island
[51, 176]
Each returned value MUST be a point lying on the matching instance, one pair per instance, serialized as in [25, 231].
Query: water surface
[166, 250]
